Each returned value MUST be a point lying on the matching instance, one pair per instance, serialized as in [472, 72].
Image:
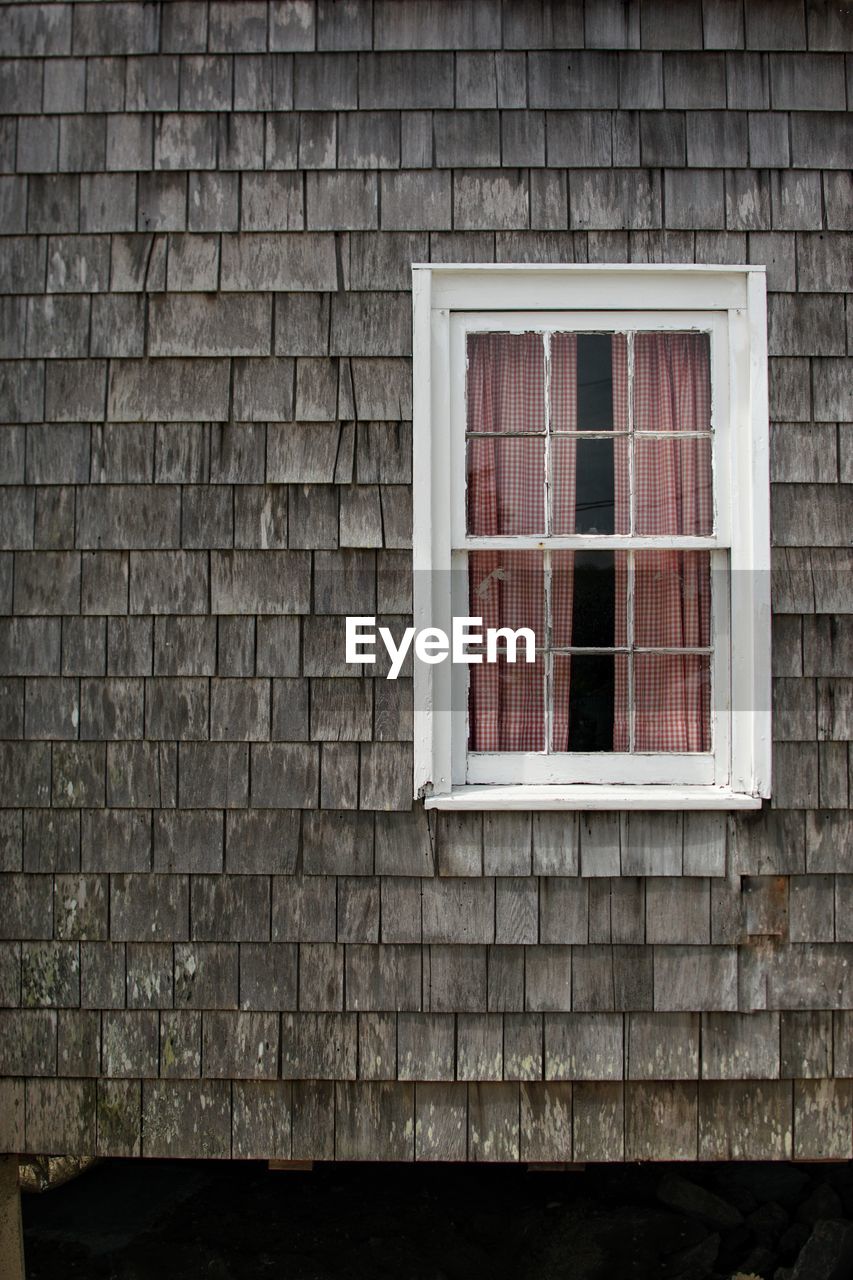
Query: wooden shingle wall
[225, 930]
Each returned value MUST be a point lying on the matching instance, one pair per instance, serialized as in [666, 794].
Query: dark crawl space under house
[259, 902]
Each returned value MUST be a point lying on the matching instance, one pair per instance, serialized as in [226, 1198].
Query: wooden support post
[11, 1230]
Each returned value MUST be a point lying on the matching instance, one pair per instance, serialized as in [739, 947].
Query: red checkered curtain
[506, 396]
[672, 609]
[672, 589]
[506, 382]
[672, 702]
[672, 393]
[564, 382]
[506, 701]
[506, 495]
[622, 524]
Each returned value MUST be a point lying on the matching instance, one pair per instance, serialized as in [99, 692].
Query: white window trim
[705, 297]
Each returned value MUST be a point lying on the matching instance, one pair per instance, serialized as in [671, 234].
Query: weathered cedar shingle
[738, 1119]
[425, 1046]
[662, 1046]
[455, 25]
[546, 1132]
[441, 1121]
[261, 1120]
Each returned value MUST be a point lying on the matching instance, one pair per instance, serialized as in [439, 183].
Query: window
[591, 467]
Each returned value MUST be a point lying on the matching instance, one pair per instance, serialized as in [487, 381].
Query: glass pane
[590, 485]
[506, 382]
[589, 382]
[589, 700]
[589, 598]
[507, 589]
[506, 706]
[672, 599]
[672, 702]
[506, 487]
[673, 486]
[672, 382]
[594, 493]
[595, 382]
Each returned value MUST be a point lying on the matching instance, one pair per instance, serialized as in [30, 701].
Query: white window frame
[728, 302]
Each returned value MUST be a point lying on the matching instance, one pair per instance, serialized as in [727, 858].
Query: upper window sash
[714, 324]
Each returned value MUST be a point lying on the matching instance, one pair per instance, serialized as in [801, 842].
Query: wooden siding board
[563, 909]
[662, 1046]
[829, 846]
[377, 1046]
[822, 1129]
[678, 910]
[261, 1120]
[627, 909]
[459, 841]
[507, 844]
[119, 1118]
[811, 976]
[12, 1111]
[633, 977]
[600, 844]
[740, 1046]
[654, 844]
[546, 1123]
[479, 1046]
[765, 901]
[517, 910]
[441, 1122]
[548, 978]
[319, 1046]
[705, 844]
[186, 1118]
[374, 1121]
[739, 1119]
[805, 1050]
[400, 907]
[555, 844]
[592, 977]
[493, 1123]
[523, 1046]
[598, 1122]
[455, 979]
[661, 1120]
[599, 926]
[584, 1046]
[506, 978]
[313, 1124]
[382, 976]
[726, 910]
[842, 1043]
[700, 977]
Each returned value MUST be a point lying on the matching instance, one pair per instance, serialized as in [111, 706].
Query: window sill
[592, 797]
